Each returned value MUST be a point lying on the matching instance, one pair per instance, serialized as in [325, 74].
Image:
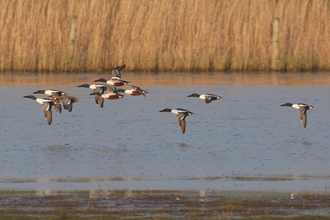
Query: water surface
[246, 141]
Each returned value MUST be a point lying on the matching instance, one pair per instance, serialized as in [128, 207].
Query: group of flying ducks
[108, 90]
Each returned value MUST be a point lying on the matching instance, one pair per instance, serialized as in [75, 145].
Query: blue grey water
[246, 141]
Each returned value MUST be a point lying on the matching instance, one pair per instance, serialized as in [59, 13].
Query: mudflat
[170, 204]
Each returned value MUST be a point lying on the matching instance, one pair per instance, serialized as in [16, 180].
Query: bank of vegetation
[164, 35]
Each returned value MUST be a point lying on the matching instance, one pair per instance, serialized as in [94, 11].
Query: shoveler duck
[68, 102]
[116, 71]
[114, 81]
[96, 88]
[46, 105]
[302, 109]
[181, 115]
[134, 91]
[53, 94]
[111, 94]
[207, 97]
[50, 92]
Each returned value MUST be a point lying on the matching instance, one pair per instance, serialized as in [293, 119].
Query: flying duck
[181, 115]
[302, 109]
[46, 105]
[97, 88]
[54, 95]
[134, 91]
[111, 94]
[207, 97]
[114, 81]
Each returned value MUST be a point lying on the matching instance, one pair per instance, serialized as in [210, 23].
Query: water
[246, 141]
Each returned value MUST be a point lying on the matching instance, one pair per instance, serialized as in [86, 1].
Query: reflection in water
[19, 80]
[182, 145]
[109, 151]
[57, 148]
[305, 143]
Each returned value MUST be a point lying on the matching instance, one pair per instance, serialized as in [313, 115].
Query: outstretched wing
[116, 71]
[119, 68]
[116, 79]
[47, 110]
[97, 97]
[182, 122]
[101, 101]
[48, 116]
[303, 118]
[57, 104]
[68, 102]
[70, 107]
[208, 99]
[303, 114]
[138, 89]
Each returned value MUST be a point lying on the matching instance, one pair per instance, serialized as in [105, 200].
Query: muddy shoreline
[168, 203]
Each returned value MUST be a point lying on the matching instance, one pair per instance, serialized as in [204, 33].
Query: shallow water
[246, 141]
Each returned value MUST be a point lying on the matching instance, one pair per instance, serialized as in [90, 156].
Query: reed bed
[163, 35]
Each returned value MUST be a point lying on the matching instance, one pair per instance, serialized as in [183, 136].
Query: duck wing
[120, 80]
[116, 71]
[101, 101]
[68, 102]
[58, 107]
[303, 115]
[96, 97]
[303, 118]
[119, 68]
[48, 116]
[112, 89]
[138, 89]
[57, 104]
[208, 99]
[46, 109]
[69, 107]
[182, 122]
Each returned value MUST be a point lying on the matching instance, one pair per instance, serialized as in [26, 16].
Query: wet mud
[152, 203]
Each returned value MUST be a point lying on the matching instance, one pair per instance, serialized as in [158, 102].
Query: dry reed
[163, 35]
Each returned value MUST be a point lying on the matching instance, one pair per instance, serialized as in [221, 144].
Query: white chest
[50, 92]
[41, 101]
[175, 111]
[296, 106]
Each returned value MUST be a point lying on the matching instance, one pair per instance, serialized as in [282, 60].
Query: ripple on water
[246, 133]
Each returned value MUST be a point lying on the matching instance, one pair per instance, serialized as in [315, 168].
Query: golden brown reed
[163, 35]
